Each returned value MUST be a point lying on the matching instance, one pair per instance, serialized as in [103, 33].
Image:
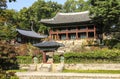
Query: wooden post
[87, 32]
[44, 57]
[67, 38]
[50, 32]
[76, 32]
[94, 32]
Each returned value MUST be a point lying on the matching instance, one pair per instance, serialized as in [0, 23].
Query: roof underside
[32, 34]
[62, 18]
[48, 45]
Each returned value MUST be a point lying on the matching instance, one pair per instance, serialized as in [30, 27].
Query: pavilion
[26, 36]
[48, 46]
[71, 26]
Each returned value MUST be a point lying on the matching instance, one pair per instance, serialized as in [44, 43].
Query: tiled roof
[62, 18]
[31, 34]
[48, 44]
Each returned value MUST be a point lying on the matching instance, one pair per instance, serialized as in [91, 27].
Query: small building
[71, 26]
[29, 36]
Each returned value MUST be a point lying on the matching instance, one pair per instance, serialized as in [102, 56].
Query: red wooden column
[94, 31]
[67, 38]
[76, 32]
[50, 32]
[44, 57]
[58, 34]
[87, 31]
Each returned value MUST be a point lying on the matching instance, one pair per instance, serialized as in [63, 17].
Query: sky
[19, 4]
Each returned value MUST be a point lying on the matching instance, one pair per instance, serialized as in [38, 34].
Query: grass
[93, 71]
[16, 70]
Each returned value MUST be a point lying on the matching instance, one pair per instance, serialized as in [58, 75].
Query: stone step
[45, 67]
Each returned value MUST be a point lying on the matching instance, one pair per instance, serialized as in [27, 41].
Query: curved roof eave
[32, 34]
[62, 18]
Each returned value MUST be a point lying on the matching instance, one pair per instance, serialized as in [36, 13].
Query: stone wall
[55, 67]
[92, 66]
[44, 75]
[70, 45]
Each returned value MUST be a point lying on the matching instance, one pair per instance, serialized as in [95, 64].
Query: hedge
[27, 59]
[90, 57]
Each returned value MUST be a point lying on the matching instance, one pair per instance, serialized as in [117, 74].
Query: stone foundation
[39, 75]
[57, 67]
[92, 66]
[70, 45]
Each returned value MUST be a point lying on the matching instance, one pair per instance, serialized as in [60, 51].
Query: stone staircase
[45, 67]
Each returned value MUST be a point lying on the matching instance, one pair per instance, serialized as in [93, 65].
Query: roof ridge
[73, 13]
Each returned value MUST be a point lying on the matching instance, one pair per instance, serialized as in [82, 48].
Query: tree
[106, 14]
[39, 10]
[8, 27]
[3, 4]
[70, 6]
[76, 6]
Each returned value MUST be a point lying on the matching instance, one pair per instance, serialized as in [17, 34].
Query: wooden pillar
[44, 57]
[94, 31]
[58, 34]
[67, 37]
[87, 31]
[76, 32]
[50, 32]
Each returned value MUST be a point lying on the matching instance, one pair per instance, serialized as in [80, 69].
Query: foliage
[7, 75]
[27, 59]
[75, 6]
[40, 9]
[7, 33]
[8, 26]
[117, 46]
[116, 35]
[27, 50]
[24, 59]
[105, 13]
[7, 56]
[97, 56]
[56, 58]
[93, 71]
[112, 43]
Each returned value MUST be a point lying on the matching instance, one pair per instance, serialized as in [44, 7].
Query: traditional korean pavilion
[69, 26]
[47, 46]
[26, 36]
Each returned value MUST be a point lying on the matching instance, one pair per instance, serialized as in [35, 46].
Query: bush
[98, 56]
[56, 58]
[24, 59]
[111, 42]
[117, 46]
[7, 75]
[27, 59]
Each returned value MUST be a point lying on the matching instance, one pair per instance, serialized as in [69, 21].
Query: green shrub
[98, 56]
[24, 59]
[111, 42]
[56, 58]
[27, 59]
[7, 75]
[117, 46]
